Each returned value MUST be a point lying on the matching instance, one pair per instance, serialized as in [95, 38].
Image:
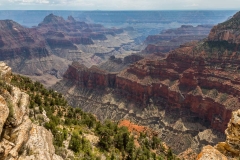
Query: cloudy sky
[118, 4]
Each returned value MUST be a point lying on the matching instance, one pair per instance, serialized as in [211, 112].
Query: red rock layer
[89, 77]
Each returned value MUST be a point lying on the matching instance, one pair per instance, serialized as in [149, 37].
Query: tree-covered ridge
[72, 128]
[232, 23]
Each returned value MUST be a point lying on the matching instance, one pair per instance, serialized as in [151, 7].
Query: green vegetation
[73, 125]
[223, 97]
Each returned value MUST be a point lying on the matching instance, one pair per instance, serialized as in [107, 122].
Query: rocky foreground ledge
[228, 149]
[20, 139]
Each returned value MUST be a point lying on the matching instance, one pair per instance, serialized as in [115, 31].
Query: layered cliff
[20, 138]
[18, 42]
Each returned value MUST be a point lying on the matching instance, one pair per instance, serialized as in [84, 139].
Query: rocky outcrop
[183, 81]
[227, 31]
[17, 130]
[231, 147]
[228, 149]
[5, 72]
[209, 153]
[39, 145]
[4, 113]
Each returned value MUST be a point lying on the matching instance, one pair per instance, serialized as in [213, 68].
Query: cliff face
[89, 77]
[20, 138]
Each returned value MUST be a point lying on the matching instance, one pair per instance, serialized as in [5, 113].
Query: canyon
[44, 51]
[185, 91]
[192, 89]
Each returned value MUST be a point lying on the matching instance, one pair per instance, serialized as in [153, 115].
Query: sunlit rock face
[20, 138]
[231, 147]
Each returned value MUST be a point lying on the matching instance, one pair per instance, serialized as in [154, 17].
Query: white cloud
[29, 1]
[122, 4]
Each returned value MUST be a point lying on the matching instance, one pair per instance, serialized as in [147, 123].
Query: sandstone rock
[232, 145]
[89, 77]
[4, 111]
[39, 145]
[19, 136]
[189, 154]
[5, 72]
[210, 153]
[20, 106]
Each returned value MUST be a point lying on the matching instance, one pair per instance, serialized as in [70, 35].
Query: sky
[119, 4]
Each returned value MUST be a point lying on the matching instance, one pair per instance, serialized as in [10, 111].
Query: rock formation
[55, 43]
[17, 42]
[90, 77]
[229, 148]
[20, 138]
[198, 80]
[232, 144]
[227, 31]
[172, 38]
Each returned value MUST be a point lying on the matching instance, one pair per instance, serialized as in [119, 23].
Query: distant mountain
[172, 38]
[48, 48]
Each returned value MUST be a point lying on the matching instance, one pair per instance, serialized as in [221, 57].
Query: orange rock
[210, 153]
